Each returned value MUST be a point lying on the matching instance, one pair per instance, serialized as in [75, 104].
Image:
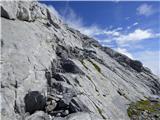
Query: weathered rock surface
[51, 71]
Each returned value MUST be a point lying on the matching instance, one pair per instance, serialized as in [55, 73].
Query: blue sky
[132, 28]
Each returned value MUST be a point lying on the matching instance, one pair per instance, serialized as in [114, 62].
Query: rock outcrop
[53, 72]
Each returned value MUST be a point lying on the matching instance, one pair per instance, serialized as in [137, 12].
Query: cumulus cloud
[112, 33]
[145, 10]
[137, 35]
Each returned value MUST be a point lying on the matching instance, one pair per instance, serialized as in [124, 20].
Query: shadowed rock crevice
[4, 13]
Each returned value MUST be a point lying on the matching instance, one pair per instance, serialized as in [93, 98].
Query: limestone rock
[39, 115]
[9, 9]
[48, 66]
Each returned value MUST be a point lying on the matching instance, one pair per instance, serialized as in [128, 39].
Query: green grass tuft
[140, 106]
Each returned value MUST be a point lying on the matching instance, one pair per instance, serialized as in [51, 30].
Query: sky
[131, 28]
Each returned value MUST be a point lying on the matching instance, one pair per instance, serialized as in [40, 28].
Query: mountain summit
[51, 71]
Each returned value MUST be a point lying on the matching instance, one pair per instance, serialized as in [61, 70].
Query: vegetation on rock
[144, 109]
[96, 66]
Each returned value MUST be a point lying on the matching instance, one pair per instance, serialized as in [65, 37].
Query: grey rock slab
[39, 115]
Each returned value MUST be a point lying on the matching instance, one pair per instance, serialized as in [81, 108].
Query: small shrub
[140, 106]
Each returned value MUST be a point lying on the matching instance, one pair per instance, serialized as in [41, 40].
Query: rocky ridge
[51, 71]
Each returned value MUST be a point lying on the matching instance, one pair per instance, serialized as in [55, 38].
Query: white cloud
[76, 22]
[150, 59]
[137, 35]
[136, 23]
[124, 51]
[129, 27]
[145, 10]
[112, 33]
[118, 29]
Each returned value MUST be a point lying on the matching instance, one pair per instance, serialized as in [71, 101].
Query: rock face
[51, 71]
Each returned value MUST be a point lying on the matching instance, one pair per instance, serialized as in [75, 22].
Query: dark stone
[69, 66]
[77, 106]
[4, 13]
[63, 104]
[58, 86]
[58, 77]
[136, 65]
[2, 43]
[34, 101]
[62, 52]
[48, 77]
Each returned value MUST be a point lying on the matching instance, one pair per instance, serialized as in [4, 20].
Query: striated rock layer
[51, 71]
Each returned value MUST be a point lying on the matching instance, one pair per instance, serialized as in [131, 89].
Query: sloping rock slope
[51, 71]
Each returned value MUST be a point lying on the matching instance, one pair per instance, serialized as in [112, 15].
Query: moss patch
[83, 63]
[89, 77]
[144, 105]
[95, 66]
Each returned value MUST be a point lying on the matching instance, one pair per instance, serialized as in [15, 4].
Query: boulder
[39, 115]
[34, 101]
[136, 65]
[9, 9]
[23, 12]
